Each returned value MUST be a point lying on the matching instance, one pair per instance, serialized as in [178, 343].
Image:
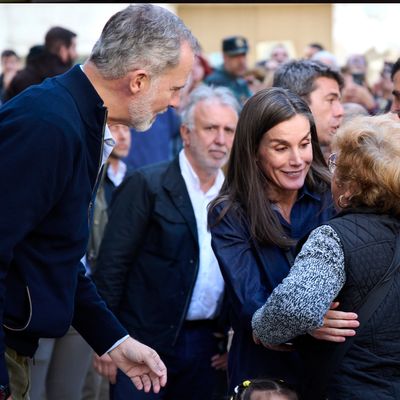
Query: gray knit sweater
[299, 303]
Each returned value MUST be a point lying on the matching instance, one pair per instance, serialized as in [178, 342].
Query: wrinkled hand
[140, 363]
[220, 361]
[275, 347]
[106, 367]
[337, 325]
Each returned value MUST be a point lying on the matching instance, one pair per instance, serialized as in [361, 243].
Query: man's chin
[144, 126]
[334, 130]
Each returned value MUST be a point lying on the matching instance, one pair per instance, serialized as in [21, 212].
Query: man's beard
[140, 113]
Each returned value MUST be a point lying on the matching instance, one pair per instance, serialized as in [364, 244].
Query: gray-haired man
[55, 137]
[156, 269]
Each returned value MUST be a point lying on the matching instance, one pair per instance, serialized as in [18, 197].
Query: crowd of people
[177, 231]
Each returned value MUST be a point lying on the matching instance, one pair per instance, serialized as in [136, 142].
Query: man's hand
[106, 367]
[337, 325]
[220, 361]
[141, 363]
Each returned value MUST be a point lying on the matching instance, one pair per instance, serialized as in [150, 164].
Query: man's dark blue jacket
[50, 150]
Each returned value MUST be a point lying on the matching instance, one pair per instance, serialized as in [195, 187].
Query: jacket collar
[90, 104]
[358, 210]
[174, 184]
[305, 191]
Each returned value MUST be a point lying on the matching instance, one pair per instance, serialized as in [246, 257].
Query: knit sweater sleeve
[299, 303]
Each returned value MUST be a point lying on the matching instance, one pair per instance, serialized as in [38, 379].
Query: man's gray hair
[208, 93]
[141, 36]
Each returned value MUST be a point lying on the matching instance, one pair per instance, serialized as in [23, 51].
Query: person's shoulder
[42, 99]
[220, 205]
[225, 209]
[151, 174]
[23, 79]
[41, 124]
[316, 193]
[217, 75]
[155, 169]
[34, 106]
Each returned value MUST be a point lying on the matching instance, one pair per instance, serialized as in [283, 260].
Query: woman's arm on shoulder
[298, 305]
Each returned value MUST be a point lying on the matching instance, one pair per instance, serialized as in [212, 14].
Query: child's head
[264, 389]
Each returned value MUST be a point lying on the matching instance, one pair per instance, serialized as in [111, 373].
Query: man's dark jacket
[149, 256]
[50, 150]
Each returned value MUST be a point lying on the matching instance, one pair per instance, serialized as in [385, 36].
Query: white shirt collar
[209, 285]
[192, 180]
[109, 144]
[117, 177]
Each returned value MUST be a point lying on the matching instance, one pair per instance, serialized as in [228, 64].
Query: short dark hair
[8, 53]
[56, 37]
[317, 46]
[299, 76]
[395, 68]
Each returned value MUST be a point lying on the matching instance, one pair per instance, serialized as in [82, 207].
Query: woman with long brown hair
[276, 190]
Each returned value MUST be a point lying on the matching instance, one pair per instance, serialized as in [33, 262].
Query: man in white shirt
[156, 269]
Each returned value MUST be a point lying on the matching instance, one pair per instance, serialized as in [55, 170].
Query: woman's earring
[340, 201]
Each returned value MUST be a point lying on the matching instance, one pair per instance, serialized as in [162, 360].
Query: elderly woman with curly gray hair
[353, 259]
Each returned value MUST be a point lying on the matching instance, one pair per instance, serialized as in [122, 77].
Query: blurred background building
[343, 29]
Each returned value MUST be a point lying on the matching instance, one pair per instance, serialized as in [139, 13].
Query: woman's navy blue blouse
[251, 271]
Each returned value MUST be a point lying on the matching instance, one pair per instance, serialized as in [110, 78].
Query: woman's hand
[276, 347]
[337, 325]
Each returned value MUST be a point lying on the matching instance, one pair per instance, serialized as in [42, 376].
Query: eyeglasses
[332, 162]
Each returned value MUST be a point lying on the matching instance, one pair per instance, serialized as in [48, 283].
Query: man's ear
[185, 135]
[139, 80]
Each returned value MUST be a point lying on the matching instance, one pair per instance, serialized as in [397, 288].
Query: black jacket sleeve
[129, 217]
